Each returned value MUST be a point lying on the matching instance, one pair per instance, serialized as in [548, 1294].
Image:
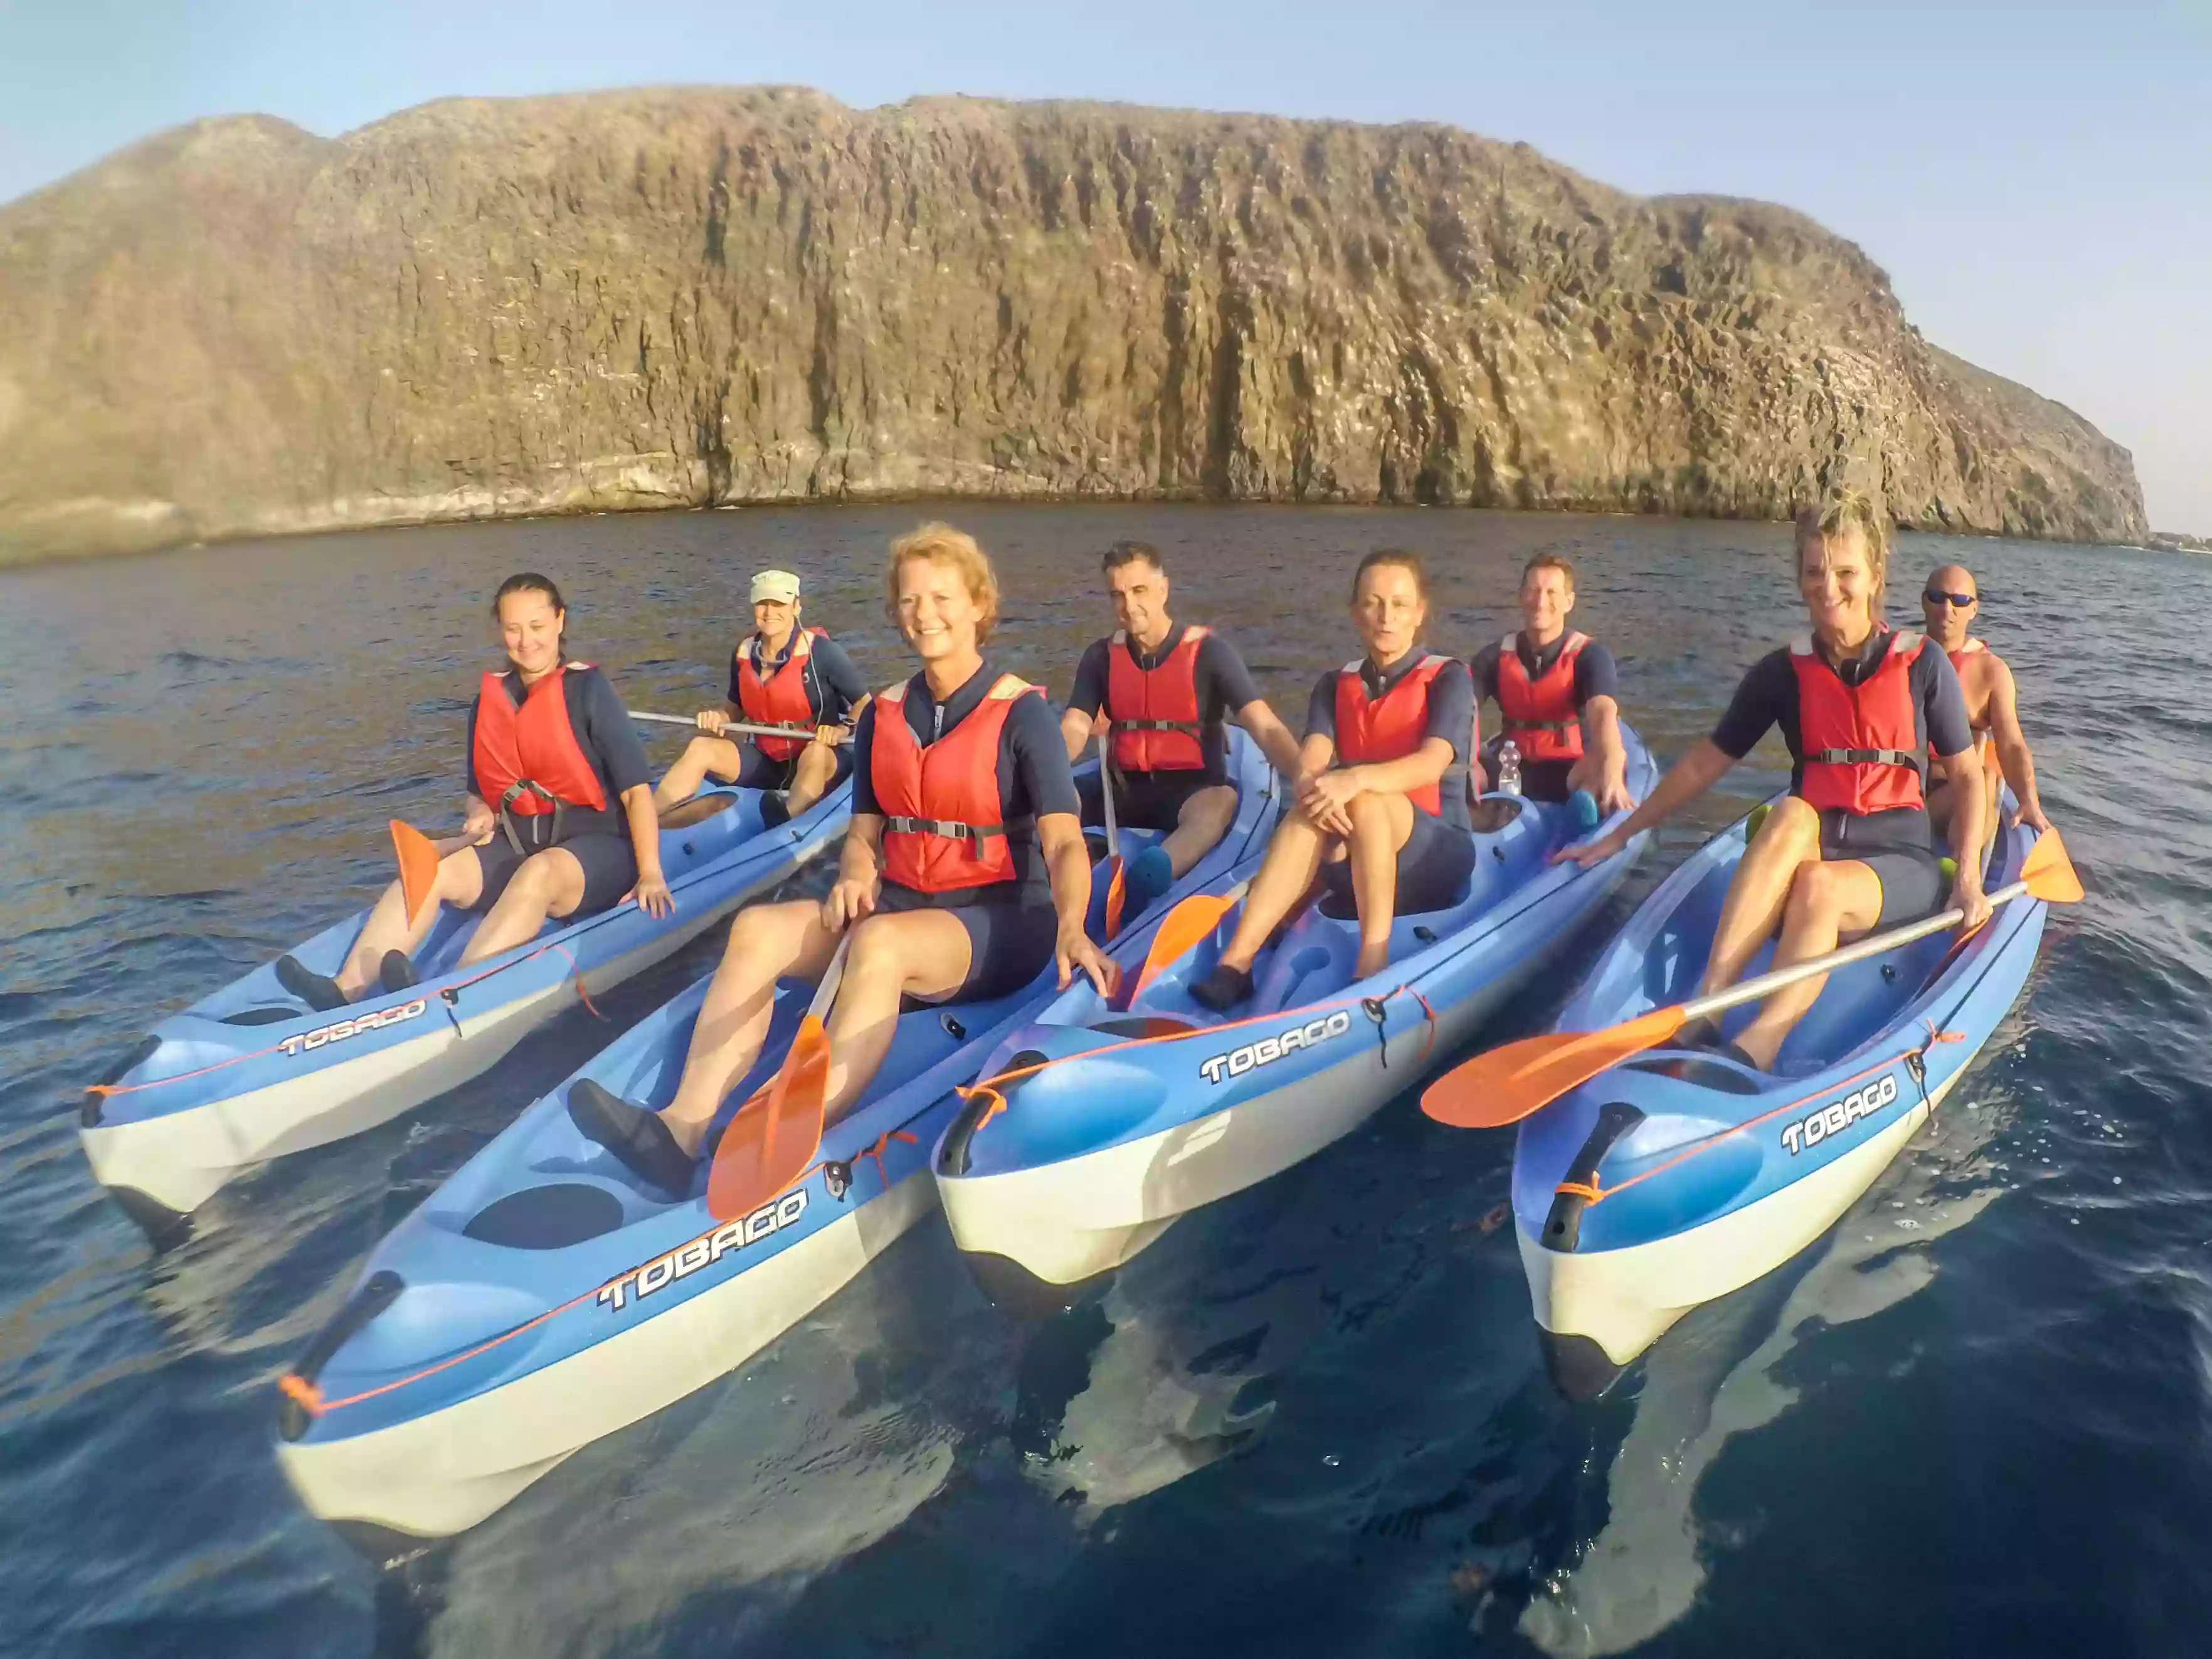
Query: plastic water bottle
[1508, 767]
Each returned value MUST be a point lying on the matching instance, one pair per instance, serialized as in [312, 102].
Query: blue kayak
[1679, 1176]
[1104, 1126]
[542, 1296]
[249, 1072]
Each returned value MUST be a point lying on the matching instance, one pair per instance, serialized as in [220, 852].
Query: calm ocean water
[1972, 1420]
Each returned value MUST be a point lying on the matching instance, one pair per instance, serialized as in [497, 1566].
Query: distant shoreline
[951, 507]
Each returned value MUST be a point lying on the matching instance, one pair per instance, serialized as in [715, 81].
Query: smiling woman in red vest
[783, 674]
[560, 814]
[965, 876]
[1850, 850]
[1382, 795]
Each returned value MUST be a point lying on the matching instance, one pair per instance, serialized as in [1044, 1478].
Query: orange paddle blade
[2049, 873]
[418, 867]
[776, 1133]
[1506, 1085]
[1182, 928]
[1117, 894]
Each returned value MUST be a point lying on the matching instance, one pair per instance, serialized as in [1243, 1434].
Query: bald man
[1950, 603]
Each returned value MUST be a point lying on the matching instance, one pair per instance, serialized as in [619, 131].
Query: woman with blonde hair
[964, 874]
[1861, 706]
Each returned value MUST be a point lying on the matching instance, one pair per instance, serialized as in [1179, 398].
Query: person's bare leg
[768, 943]
[1827, 904]
[459, 882]
[549, 884]
[1380, 827]
[1787, 841]
[1199, 826]
[700, 756]
[919, 953]
[810, 779]
[1285, 873]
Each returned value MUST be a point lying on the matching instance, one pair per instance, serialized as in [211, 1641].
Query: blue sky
[2037, 177]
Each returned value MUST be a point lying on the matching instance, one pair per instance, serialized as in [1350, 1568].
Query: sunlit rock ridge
[700, 297]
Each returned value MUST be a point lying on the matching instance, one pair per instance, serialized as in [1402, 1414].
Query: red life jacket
[782, 698]
[940, 805]
[1539, 713]
[527, 760]
[1368, 730]
[1860, 747]
[1155, 711]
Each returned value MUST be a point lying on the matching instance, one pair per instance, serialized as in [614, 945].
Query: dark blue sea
[1975, 1419]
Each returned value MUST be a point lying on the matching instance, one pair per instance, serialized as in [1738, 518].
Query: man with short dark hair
[1166, 689]
[1556, 691]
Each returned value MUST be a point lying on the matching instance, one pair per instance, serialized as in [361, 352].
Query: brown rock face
[693, 297]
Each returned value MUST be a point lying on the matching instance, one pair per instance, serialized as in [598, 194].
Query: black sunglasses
[1937, 596]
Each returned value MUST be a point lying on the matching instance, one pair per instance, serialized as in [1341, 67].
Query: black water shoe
[636, 1137]
[1223, 990]
[318, 990]
[397, 971]
[1701, 1035]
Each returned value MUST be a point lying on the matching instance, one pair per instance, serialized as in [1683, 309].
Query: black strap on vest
[530, 786]
[1191, 726]
[1863, 757]
[976, 833]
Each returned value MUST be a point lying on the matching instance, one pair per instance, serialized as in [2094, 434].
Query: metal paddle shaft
[740, 726]
[1106, 795]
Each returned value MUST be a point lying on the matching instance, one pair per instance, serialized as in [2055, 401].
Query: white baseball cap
[778, 585]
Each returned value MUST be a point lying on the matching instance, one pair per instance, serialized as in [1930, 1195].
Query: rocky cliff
[685, 297]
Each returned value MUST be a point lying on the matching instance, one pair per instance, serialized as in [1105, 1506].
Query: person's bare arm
[1273, 737]
[1687, 779]
[1315, 755]
[1603, 768]
[1969, 814]
[860, 873]
[652, 890]
[2013, 758]
[1075, 731]
[1068, 862]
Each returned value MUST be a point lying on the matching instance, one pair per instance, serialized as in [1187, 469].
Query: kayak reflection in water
[560, 818]
[785, 674]
[1850, 850]
[963, 875]
[1381, 811]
